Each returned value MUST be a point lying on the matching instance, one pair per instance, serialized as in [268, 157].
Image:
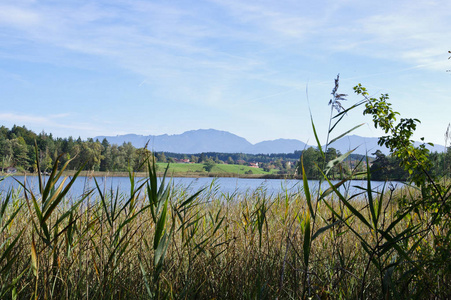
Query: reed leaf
[317, 139]
[307, 240]
[307, 190]
[354, 211]
[345, 133]
[337, 160]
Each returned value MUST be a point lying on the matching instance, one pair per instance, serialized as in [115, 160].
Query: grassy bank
[190, 170]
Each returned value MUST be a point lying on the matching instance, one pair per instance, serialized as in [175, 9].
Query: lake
[220, 185]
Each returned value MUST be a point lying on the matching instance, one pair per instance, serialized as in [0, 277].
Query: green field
[219, 169]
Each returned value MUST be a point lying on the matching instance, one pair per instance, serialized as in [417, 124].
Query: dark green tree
[278, 164]
[380, 167]
[20, 152]
[142, 156]
[311, 158]
[106, 161]
[129, 152]
[209, 164]
[161, 157]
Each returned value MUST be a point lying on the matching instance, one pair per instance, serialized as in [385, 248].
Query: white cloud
[413, 32]
[20, 118]
[18, 17]
[53, 121]
[159, 33]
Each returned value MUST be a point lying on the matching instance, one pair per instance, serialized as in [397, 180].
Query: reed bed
[165, 242]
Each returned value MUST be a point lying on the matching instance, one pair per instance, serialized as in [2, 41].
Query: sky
[257, 69]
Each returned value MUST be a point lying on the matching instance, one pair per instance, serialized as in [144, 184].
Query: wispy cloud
[140, 33]
[18, 17]
[412, 32]
[53, 121]
[20, 118]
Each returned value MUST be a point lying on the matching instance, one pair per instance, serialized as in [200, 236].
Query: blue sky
[88, 68]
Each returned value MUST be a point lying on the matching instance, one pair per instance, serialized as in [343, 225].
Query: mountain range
[212, 140]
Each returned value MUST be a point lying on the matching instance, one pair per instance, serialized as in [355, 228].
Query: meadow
[191, 170]
[218, 169]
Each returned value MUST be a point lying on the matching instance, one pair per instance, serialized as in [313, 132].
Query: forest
[18, 147]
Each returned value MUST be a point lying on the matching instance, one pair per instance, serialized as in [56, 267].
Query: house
[253, 165]
[182, 161]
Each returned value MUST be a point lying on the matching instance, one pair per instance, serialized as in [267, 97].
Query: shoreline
[160, 174]
[180, 174]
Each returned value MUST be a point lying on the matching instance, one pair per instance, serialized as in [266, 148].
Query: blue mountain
[212, 140]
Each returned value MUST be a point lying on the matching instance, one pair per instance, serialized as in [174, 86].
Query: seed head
[337, 98]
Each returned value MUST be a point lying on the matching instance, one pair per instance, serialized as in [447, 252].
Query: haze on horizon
[91, 68]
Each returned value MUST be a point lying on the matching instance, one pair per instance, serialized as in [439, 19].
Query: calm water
[221, 185]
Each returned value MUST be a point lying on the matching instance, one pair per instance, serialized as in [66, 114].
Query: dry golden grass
[219, 246]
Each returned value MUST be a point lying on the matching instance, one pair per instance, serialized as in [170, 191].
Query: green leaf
[306, 245]
[160, 226]
[342, 135]
[337, 160]
[348, 205]
[323, 229]
[369, 192]
[307, 189]
[345, 222]
[317, 139]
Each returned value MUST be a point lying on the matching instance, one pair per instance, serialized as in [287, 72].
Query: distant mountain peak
[213, 140]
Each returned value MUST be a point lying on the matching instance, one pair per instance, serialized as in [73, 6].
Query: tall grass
[160, 242]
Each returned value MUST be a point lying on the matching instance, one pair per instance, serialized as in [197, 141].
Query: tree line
[17, 149]
[388, 167]
[383, 167]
